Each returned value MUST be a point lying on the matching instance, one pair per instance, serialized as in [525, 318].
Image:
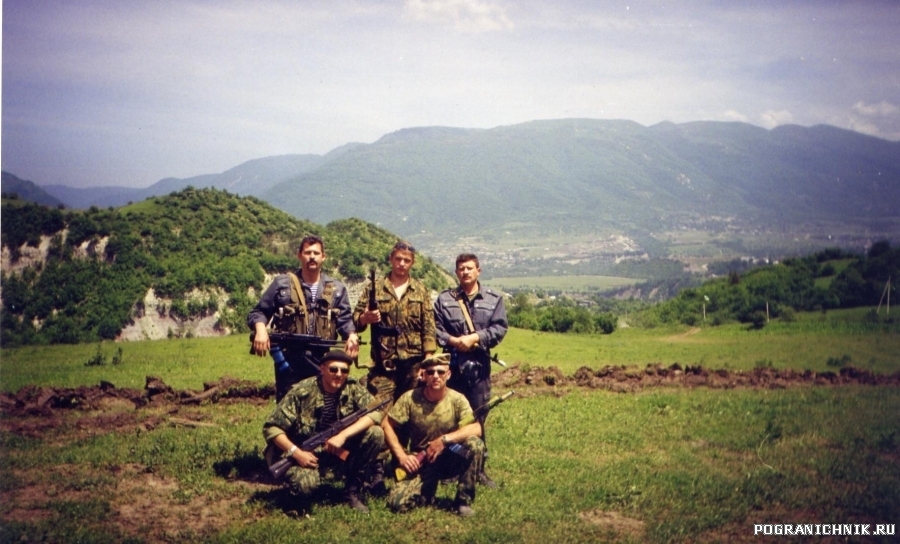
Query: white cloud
[772, 118]
[733, 115]
[465, 15]
[881, 109]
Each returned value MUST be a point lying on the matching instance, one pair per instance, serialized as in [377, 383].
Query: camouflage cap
[436, 359]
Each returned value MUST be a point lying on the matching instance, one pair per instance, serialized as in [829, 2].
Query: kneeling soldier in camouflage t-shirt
[431, 417]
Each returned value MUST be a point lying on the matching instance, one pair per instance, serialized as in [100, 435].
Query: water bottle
[281, 365]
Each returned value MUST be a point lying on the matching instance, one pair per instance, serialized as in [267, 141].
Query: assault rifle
[278, 468]
[373, 305]
[298, 341]
[378, 329]
[302, 343]
[459, 449]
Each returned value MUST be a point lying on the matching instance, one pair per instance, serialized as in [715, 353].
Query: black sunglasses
[338, 369]
[439, 371]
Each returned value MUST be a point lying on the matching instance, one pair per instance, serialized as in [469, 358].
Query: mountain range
[571, 175]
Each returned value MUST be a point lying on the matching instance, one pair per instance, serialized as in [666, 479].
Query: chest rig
[318, 320]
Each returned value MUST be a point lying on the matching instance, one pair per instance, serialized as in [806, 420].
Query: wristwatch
[444, 440]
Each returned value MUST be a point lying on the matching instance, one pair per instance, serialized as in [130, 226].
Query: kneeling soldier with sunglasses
[439, 446]
[315, 404]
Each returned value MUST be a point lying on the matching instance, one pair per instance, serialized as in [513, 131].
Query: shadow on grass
[280, 498]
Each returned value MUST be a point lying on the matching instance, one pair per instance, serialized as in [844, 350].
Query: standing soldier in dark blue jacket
[306, 302]
[470, 320]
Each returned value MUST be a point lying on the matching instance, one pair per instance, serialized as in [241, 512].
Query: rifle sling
[464, 306]
[300, 299]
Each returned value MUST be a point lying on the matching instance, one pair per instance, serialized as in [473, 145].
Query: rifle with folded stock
[278, 468]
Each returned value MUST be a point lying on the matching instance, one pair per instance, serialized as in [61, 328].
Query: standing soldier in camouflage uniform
[405, 322]
[313, 405]
[431, 416]
[470, 320]
[308, 302]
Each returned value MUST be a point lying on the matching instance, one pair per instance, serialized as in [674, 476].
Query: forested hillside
[81, 276]
[826, 280]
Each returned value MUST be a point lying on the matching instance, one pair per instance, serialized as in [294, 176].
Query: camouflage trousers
[364, 448]
[421, 488]
[383, 383]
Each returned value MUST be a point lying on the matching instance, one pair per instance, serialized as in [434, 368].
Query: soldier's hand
[370, 316]
[410, 463]
[306, 459]
[334, 444]
[467, 342]
[351, 347]
[261, 342]
[435, 448]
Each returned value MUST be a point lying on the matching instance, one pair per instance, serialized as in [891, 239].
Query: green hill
[26, 191]
[826, 280]
[81, 276]
[584, 176]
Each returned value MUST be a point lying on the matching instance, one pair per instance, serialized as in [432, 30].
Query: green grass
[569, 284]
[807, 343]
[682, 465]
[660, 465]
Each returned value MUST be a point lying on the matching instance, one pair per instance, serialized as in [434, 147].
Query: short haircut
[310, 240]
[466, 257]
[403, 246]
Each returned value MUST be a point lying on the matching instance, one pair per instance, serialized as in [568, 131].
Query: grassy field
[569, 284]
[660, 465]
[807, 343]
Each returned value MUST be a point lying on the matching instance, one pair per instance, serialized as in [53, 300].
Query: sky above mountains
[126, 93]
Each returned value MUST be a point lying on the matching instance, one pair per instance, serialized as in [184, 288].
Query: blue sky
[126, 93]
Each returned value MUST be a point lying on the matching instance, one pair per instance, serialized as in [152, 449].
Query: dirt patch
[106, 397]
[626, 379]
[44, 401]
[143, 504]
[615, 522]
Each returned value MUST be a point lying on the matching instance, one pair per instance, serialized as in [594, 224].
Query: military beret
[336, 355]
[436, 359]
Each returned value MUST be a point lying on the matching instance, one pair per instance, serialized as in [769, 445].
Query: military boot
[351, 494]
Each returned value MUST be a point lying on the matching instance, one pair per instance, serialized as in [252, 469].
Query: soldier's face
[334, 376]
[436, 377]
[311, 257]
[467, 273]
[401, 262]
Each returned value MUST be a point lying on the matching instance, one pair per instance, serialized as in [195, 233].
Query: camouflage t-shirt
[426, 420]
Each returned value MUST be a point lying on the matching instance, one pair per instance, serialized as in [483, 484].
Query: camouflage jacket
[410, 321]
[298, 412]
[424, 420]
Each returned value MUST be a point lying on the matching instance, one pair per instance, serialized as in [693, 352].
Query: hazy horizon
[104, 93]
